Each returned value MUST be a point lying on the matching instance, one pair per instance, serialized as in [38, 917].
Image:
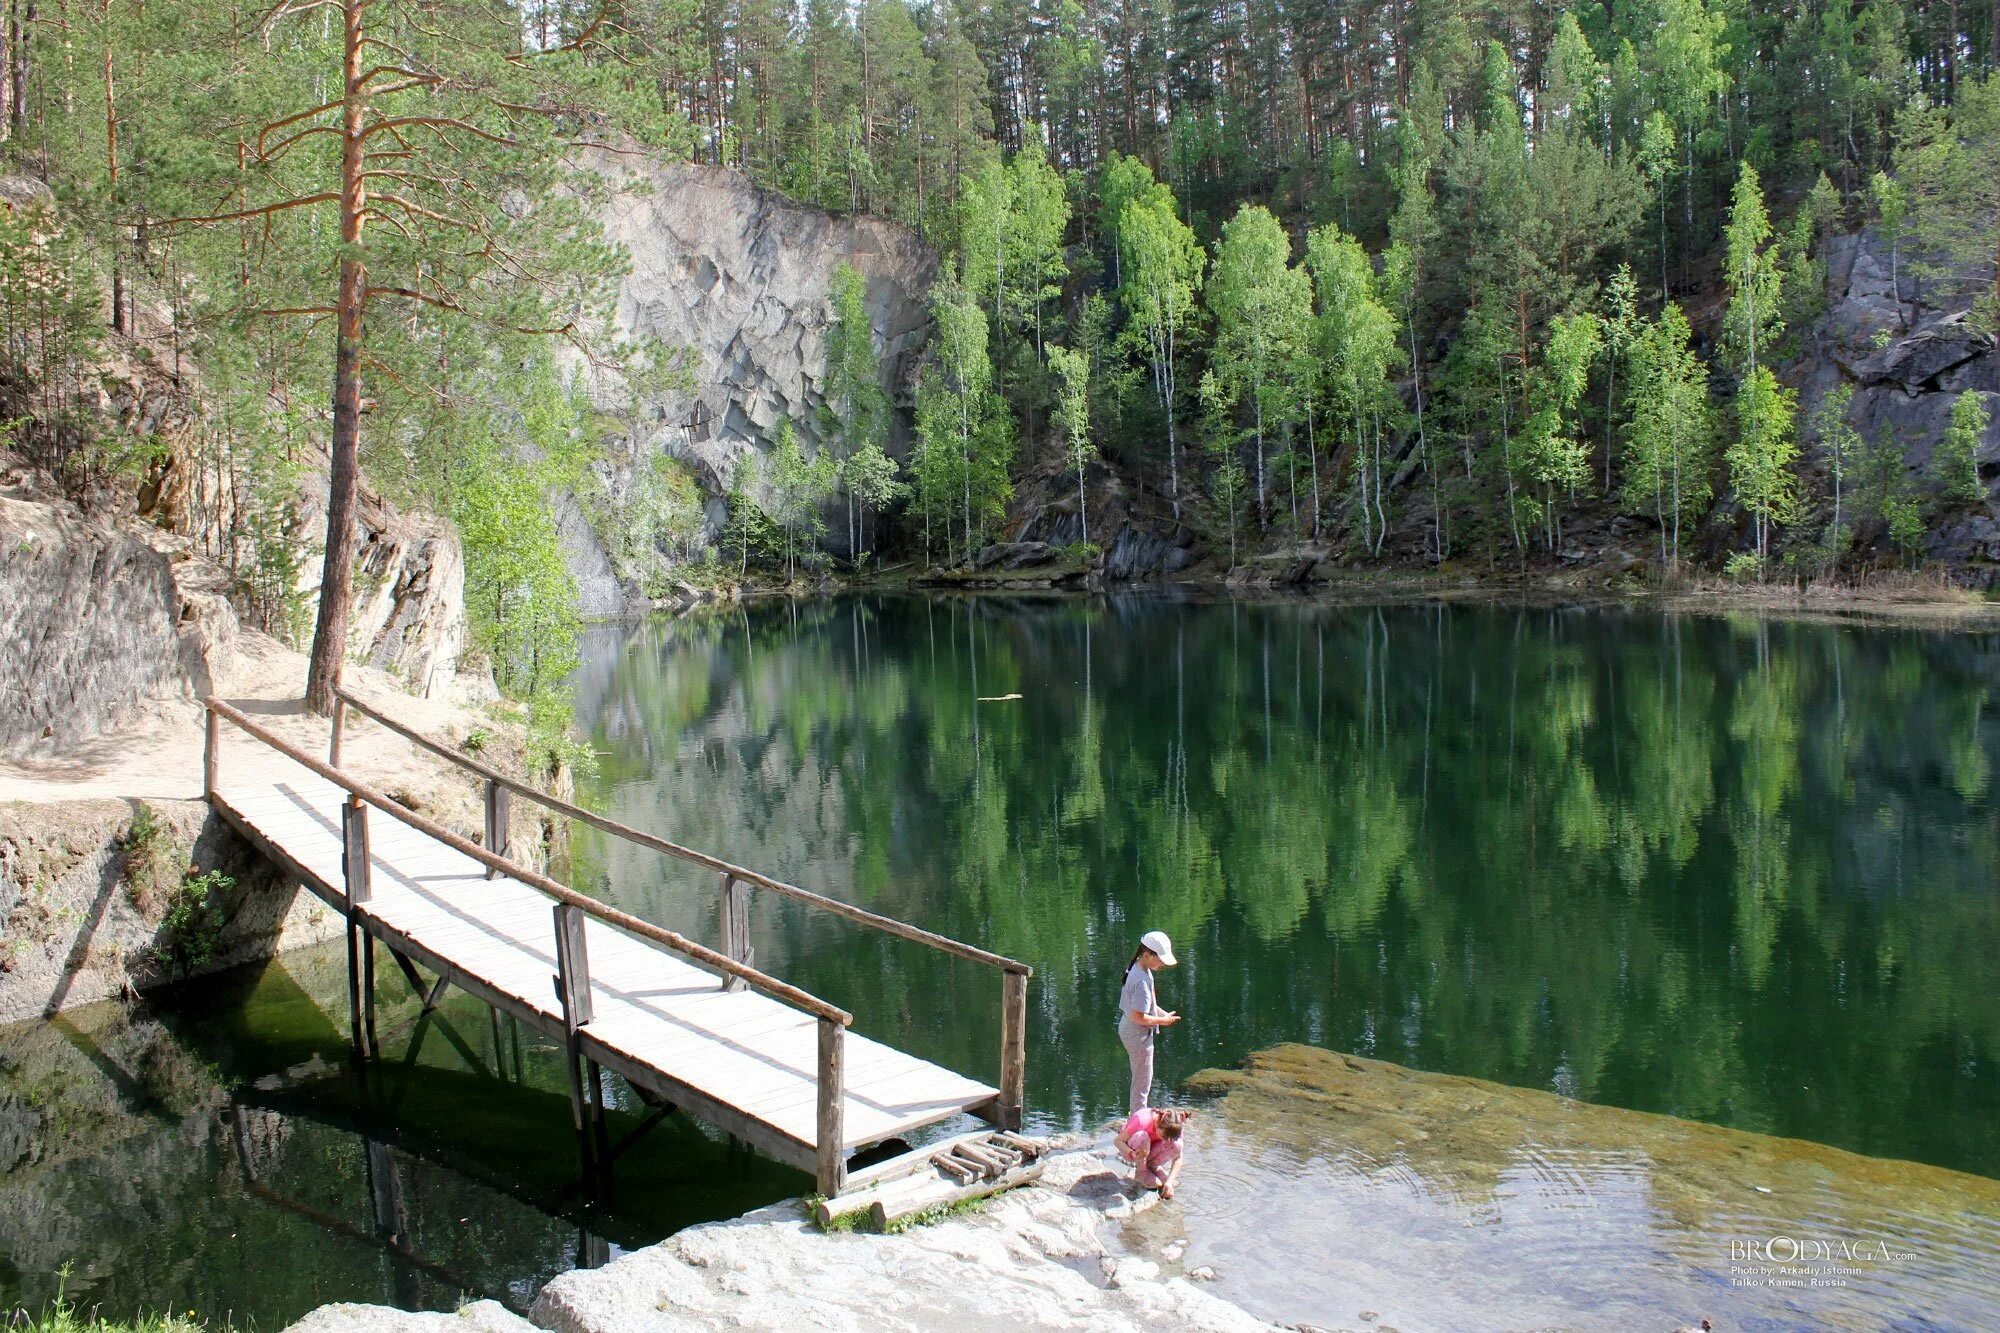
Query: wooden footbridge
[689, 1027]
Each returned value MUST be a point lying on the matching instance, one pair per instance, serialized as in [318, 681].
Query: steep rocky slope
[737, 277]
[1908, 354]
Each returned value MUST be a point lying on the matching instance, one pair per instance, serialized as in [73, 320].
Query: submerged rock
[1445, 1202]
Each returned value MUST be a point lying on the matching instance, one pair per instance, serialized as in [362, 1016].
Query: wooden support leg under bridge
[686, 1026]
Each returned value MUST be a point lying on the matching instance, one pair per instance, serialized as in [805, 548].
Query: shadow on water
[217, 1151]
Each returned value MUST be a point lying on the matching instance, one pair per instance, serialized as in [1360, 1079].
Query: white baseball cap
[1157, 941]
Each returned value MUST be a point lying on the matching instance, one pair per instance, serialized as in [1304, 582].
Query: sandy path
[156, 755]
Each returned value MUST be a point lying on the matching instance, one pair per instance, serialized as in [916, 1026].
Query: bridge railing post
[498, 805]
[354, 869]
[211, 754]
[736, 927]
[1013, 1047]
[354, 875]
[573, 991]
[339, 725]
[832, 1150]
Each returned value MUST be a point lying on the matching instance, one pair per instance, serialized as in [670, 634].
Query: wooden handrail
[561, 893]
[888, 925]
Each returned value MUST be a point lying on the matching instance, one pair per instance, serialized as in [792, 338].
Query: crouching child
[1150, 1143]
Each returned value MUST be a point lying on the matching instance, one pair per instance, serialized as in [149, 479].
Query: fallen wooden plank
[883, 1212]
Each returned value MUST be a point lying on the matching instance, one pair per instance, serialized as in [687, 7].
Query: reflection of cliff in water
[1440, 1202]
[222, 1155]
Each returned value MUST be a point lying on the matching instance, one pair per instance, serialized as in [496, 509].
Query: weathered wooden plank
[911, 1202]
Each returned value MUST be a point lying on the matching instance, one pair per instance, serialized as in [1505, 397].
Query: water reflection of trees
[1734, 869]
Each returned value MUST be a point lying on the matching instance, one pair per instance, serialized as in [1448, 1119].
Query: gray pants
[1139, 1047]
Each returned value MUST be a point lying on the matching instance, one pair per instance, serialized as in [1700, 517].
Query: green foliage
[662, 521]
[800, 487]
[1751, 267]
[749, 531]
[1262, 307]
[1073, 418]
[61, 1317]
[1956, 459]
[147, 849]
[1888, 492]
[1761, 456]
[1347, 359]
[521, 599]
[49, 337]
[196, 912]
[1841, 444]
[1668, 436]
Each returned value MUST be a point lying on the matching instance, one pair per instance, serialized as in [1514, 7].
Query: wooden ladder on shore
[691, 1028]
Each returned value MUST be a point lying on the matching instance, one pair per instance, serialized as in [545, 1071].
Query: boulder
[1137, 553]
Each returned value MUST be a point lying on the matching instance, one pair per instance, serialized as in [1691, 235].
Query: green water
[1732, 869]
[1740, 871]
[214, 1150]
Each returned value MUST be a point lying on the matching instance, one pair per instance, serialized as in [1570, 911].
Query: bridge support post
[1013, 1047]
[735, 927]
[832, 1151]
[354, 874]
[497, 819]
[573, 990]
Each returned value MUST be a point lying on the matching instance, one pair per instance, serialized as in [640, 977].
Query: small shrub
[146, 847]
[1079, 553]
[196, 913]
[1743, 565]
[476, 740]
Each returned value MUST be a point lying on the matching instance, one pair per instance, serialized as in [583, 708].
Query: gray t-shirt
[1137, 997]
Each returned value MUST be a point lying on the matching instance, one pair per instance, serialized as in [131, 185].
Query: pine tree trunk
[336, 584]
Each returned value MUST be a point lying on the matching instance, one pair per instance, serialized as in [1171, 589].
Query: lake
[1735, 870]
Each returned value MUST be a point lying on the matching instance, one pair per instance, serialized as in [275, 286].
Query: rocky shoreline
[1041, 1257]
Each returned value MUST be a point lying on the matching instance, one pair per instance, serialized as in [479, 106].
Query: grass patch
[932, 1216]
[62, 1317]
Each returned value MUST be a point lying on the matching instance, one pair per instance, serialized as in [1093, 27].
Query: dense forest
[1421, 281]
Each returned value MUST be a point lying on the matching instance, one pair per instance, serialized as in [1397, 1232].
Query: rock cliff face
[1908, 361]
[80, 925]
[738, 277]
[92, 626]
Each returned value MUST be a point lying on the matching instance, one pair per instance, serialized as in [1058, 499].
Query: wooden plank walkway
[693, 1036]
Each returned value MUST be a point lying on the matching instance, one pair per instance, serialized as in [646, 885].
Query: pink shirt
[1144, 1140]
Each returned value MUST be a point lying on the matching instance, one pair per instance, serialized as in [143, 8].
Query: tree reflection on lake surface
[1739, 870]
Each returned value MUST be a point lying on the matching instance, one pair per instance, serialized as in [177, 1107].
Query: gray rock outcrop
[1034, 1258]
[737, 277]
[90, 629]
[1908, 361]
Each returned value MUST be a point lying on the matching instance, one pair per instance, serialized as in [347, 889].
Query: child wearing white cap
[1139, 1011]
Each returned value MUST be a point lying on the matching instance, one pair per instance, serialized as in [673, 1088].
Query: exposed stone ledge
[1035, 1258]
